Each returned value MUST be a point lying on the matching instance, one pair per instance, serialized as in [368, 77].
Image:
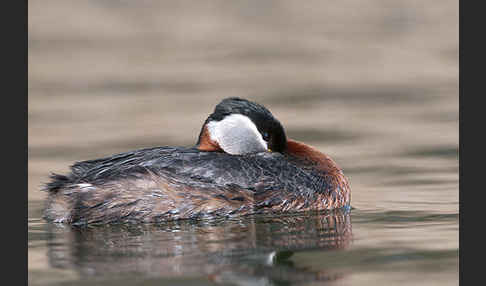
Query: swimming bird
[242, 163]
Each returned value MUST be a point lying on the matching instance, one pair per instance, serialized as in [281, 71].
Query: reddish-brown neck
[205, 142]
[303, 151]
[295, 148]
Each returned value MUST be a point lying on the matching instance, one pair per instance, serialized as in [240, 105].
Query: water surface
[374, 84]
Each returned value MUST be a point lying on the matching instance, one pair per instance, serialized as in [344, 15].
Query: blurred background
[373, 83]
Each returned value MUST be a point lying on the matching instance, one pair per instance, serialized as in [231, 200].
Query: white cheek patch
[237, 134]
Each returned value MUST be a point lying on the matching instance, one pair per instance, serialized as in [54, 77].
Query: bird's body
[167, 183]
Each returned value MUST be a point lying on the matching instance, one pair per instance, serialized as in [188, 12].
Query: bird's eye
[265, 135]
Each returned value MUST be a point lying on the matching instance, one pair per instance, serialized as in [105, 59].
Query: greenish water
[373, 84]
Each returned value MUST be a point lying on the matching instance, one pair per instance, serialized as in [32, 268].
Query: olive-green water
[374, 84]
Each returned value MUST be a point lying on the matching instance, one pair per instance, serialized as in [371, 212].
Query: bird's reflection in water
[254, 250]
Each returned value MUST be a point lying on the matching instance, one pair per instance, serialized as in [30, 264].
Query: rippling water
[371, 83]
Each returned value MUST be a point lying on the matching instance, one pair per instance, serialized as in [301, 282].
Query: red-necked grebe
[242, 163]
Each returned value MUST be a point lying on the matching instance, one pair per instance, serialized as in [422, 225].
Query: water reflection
[248, 251]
